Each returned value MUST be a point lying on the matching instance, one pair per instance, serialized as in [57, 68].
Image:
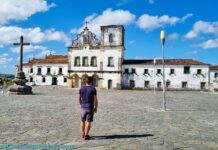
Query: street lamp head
[162, 36]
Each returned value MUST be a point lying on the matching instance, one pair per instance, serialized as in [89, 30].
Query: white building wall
[110, 76]
[193, 80]
[85, 52]
[214, 80]
[38, 79]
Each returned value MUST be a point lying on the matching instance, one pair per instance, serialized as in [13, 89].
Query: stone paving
[126, 120]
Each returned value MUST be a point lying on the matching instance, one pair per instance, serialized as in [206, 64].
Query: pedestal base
[20, 90]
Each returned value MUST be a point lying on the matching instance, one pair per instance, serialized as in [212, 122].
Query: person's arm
[80, 98]
[95, 103]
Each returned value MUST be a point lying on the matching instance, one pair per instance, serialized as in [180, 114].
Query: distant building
[185, 74]
[214, 78]
[52, 70]
[104, 60]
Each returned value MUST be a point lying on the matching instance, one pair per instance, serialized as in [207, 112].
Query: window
[199, 71]
[85, 39]
[110, 62]
[93, 61]
[39, 71]
[216, 75]
[77, 61]
[133, 71]
[158, 71]
[31, 70]
[48, 70]
[132, 83]
[43, 79]
[158, 84]
[65, 80]
[126, 70]
[203, 85]
[172, 71]
[31, 79]
[147, 84]
[85, 61]
[186, 69]
[167, 84]
[111, 38]
[184, 84]
[146, 71]
[60, 71]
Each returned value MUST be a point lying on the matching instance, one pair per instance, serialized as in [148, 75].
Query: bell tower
[112, 35]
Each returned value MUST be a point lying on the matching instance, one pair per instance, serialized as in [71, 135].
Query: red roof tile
[51, 59]
[167, 62]
[213, 67]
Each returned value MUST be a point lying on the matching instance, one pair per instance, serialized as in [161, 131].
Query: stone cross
[21, 44]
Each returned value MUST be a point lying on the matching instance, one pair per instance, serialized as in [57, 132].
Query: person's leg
[87, 128]
[82, 126]
[82, 123]
[89, 119]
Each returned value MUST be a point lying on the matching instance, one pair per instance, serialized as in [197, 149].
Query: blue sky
[50, 26]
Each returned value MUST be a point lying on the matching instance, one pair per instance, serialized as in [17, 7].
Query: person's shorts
[87, 115]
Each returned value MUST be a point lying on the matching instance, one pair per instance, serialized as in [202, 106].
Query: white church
[104, 60]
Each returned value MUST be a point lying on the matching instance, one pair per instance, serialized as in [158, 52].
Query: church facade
[89, 56]
[104, 60]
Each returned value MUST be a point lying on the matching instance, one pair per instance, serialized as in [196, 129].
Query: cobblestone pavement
[125, 120]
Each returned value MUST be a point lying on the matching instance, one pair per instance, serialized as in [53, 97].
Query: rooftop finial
[86, 24]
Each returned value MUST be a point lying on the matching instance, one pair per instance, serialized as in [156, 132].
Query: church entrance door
[109, 84]
[54, 81]
[75, 81]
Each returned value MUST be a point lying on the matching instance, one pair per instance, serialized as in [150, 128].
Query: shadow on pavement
[124, 136]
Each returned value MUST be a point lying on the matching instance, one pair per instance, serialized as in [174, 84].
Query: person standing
[89, 105]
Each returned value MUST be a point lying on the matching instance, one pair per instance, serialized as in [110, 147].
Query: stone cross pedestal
[20, 87]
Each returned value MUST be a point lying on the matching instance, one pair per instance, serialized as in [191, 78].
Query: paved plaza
[126, 120]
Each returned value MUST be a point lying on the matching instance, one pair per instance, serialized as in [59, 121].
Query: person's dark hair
[89, 80]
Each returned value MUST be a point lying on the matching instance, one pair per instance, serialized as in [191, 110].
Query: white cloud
[11, 34]
[123, 2]
[202, 27]
[45, 52]
[21, 9]
[131, 42]
[108, 17]
[186, 17]
[74, 31]
[29, 48]
[151, 1]
[212, 43]
[173, 36]
[4, 59]
[149, 23]
[191, 52]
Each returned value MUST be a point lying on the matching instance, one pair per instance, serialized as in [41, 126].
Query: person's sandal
[87, 137]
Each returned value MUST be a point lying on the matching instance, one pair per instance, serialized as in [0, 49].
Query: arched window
[85, 39]
[110, 62]
[111, 38]
[77, 61]
[85, 61]
[93, 61]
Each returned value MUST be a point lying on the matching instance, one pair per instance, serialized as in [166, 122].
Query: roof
[159, 62]
[214, 67]
[50, 59]
[112, 26]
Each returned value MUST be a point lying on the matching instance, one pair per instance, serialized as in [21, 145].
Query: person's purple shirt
[87, 93]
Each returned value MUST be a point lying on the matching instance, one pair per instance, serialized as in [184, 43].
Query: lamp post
[162, 37]
[154, 63]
